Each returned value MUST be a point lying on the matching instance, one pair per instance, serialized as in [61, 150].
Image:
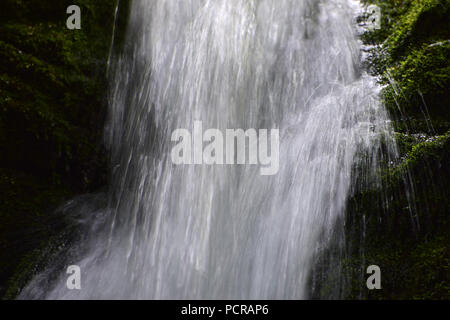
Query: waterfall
[171, 231]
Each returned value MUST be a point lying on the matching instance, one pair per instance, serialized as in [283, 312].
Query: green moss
[419, 85]
[410, 57]
[433, 149]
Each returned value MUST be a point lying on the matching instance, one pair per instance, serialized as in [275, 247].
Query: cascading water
[225, 231]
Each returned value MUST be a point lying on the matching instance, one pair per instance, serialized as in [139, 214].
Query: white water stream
[225, 231]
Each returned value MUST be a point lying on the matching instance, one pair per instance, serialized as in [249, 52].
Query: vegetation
[405, 222]
[52, 105]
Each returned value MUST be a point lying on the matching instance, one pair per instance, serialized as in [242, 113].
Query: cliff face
[52, 105]
[403, 225]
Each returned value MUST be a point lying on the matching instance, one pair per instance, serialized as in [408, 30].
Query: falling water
[225, 231]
